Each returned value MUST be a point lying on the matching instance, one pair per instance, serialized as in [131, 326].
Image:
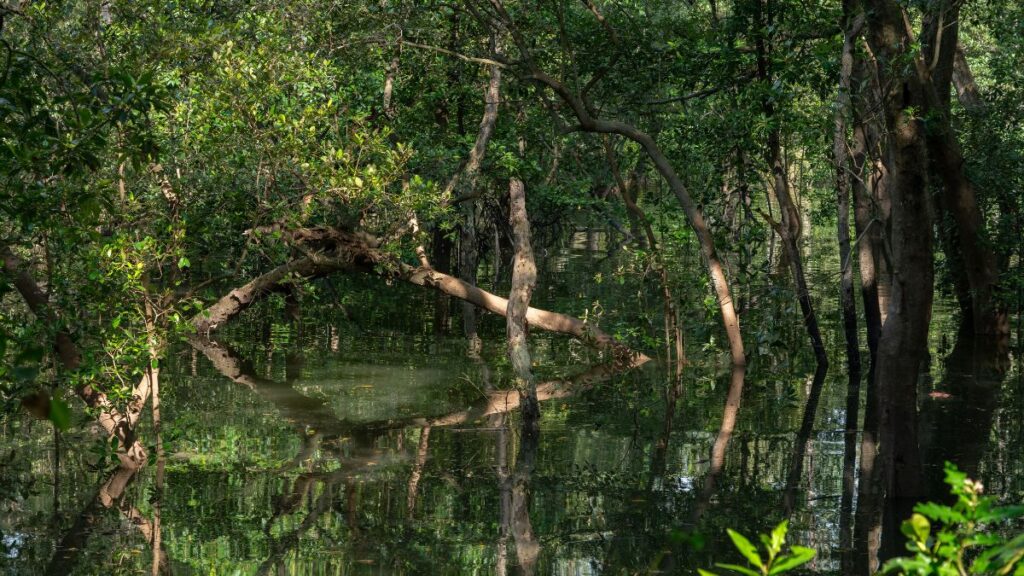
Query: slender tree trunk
[843, 110]
[790, 228]
[463, 184]
[695, 215]
[673, 331]
[869, 231]
[524, 279]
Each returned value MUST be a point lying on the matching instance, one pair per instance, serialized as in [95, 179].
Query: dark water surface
[358, 442]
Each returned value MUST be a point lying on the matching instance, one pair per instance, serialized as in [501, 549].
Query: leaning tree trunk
[524, 279]
[588, 122]
[789, 229]
[116, 424]
[463, 185]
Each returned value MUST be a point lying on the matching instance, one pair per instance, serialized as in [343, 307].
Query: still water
[358, 441]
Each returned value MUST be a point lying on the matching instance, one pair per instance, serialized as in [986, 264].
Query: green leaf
[60, 414]
[779, 536]
[943, 514]
[183, 262]
[799, 555]
[1006, 512]
[904, 565]
[705, 573]
[917, 528]
[740, 569]
[745, 547]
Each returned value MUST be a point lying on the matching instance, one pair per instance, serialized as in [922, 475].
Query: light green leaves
[799, 555]
[745, 547]
[941, 537]
[775, 561]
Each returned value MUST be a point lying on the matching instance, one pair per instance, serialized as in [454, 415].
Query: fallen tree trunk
[234, 302]
[351, 252]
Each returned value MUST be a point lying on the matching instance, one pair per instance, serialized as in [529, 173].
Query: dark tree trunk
[463, 186]
[790, 228]
[968, 248]
[902, 347]
[842, 168]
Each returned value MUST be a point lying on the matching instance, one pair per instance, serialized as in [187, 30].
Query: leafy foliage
[966, 538]
[773, 561]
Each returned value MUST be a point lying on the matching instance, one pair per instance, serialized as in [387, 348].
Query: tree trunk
[902, 347]
[524, 279]
[463, 186]
[118, 425]
[978, 260]
[673, 331]
[869, 227]
[790, 227]
[844, 107]
[967, 91]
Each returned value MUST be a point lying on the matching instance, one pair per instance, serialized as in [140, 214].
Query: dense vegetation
[166, 165]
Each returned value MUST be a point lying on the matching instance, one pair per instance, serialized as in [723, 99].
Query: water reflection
[110, 495]
[398, 455]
